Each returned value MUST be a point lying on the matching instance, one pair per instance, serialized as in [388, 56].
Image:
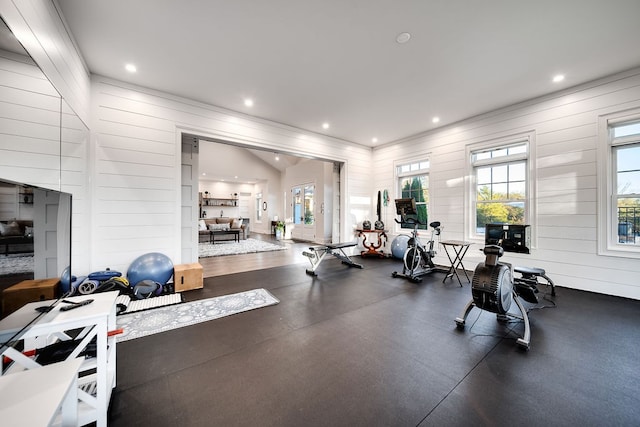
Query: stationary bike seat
[532, 271]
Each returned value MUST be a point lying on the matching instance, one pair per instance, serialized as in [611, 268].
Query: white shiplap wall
[38, 27]
[565, 130]
[135, 167]
[74, 179]
[29, 123]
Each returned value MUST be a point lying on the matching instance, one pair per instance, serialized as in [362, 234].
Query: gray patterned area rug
[246, 246]
[14, 264]
[143, 323]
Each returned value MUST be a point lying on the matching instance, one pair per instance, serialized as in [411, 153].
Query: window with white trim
[624, 205]
[500, 185]
[413, 182]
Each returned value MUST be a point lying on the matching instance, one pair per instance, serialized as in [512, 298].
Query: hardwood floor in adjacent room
[230, 264]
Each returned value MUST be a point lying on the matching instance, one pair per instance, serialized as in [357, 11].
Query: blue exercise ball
[65, 280]
[152, 266]
[399, 246]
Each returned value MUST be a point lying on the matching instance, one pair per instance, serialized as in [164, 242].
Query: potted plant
[279, 230]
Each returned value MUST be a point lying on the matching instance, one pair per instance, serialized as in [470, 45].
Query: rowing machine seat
[526, 285]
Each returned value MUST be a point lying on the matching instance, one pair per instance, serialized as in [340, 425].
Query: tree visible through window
[413, 182]
[501, 186]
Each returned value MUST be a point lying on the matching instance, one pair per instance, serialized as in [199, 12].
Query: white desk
[95, 320]
[34, 397]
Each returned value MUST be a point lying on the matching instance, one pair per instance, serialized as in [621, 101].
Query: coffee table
[214, 233]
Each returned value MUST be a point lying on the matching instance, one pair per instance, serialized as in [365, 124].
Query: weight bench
[317, 254]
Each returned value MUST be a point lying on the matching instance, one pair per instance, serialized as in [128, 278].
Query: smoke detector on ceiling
[403, 38]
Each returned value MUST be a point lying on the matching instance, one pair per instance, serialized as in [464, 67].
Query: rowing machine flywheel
[492, 288]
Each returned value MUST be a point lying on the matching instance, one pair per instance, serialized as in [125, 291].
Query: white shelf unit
[97, 375]
[216, 202]
[212, 206]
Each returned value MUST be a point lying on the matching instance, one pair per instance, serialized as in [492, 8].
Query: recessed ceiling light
[558, 78]
[248, 102]
[435, 119]
[130, 68]
[403, 38]
[325, 125]
[204, 174]
[374, 140]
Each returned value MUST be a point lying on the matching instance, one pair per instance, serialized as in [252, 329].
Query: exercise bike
[417, 258]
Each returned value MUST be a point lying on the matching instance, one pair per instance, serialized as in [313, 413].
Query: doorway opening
[223, 167]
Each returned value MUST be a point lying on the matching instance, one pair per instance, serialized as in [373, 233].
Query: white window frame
[527, 138]
[417, 168]
[608, 244]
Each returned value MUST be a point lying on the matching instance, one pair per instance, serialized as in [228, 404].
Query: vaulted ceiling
[342, 62]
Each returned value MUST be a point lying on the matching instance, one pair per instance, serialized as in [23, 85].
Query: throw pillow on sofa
[236, 223]
[10, 229]
[219, 227]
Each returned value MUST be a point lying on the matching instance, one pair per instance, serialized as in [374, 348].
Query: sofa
[205, 225]
[16, 236]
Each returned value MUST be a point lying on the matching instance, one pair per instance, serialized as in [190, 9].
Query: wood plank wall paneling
[136, 169]
[29, 124]
[565, 126]
[38, 26]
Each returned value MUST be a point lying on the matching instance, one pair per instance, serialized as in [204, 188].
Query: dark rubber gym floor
[358, 348]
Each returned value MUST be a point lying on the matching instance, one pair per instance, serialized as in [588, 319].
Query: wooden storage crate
[187, 277]
[28, 291]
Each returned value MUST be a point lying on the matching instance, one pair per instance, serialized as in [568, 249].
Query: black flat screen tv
[406, 206]
[512, 237]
